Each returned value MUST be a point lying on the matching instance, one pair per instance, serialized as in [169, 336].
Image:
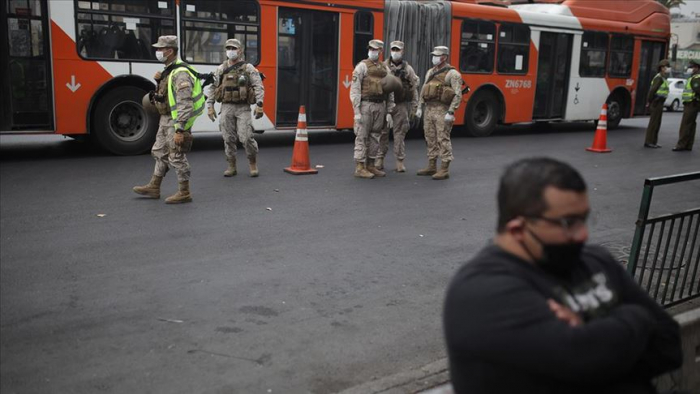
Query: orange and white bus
[80, 67]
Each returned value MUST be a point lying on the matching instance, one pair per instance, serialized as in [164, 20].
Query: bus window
[122, 29]
[364, 32]
[208, 24]
[513, 49]
[621, 55]
[477, 48]
[594, 51]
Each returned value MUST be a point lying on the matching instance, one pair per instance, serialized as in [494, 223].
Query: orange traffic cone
[600, 141]
[300, 156]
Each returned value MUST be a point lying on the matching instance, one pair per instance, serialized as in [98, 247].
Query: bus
[79, 68]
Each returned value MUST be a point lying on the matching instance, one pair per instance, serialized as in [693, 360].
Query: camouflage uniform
[236, 122]
[164, 150]
[372, 113]
[435, 127]
[406, 104]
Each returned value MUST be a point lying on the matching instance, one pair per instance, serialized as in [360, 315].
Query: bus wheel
[482, 112]
[121, 125]
[614, 113]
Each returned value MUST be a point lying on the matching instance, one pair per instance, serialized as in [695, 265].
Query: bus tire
[121, 125]
[481, 116]
[614, 112]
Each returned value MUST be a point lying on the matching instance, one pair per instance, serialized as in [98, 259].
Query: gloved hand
[357, 117]
[211, 112]
[179, 138]
[449, 117]
[258, 111]
[389, 121]
[419, 113]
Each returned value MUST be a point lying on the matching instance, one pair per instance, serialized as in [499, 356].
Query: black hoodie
[502, 337]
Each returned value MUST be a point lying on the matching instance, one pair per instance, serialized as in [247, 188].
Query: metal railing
[670, 265]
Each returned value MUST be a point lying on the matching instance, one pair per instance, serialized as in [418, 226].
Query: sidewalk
[429, 379]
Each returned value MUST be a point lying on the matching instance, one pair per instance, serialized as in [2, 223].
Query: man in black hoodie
[538, 311]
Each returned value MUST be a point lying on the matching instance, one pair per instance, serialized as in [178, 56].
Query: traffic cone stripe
[602, 123]
[302, 117]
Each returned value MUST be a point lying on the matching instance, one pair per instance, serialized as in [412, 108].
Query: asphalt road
[276, 284]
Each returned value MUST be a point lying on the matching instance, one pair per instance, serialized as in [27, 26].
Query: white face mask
[373, 55]
[161, 56]
[437, 60]
[396, 56]
[689, 70]
[232, 54]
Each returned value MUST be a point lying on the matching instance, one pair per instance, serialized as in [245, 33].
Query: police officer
[237, 85]
[406, 103]
[441, 93]
[179, 100]
[656, 99]
[691, 105]
[372, 107]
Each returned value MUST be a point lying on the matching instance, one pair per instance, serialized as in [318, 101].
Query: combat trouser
[167, 154]
[236, 124]
[437, 131]
[368, 130]
[400, 117]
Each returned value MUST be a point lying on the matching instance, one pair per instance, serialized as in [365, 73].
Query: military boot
[444, 172]
[379, 163]
[183, 194]
[231, 170]
[361, 171]
[431, 169]
[151, 189]
[371, 167]
[399, 166]
[253, 161]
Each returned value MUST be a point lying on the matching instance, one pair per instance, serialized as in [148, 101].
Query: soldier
[236, 86]
[656, 98]
[179, 100]
[691, 105]
[441, 93]
[406, 103]
[372, 108]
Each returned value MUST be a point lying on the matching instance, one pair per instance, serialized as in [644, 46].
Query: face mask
[373, 55]
[161, 56]
[232, 54]
[437, 60]
[665, 71]
[559, 260]
[396, 56]
[690, 70]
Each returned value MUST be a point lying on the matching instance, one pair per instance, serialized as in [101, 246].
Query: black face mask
[558, 259]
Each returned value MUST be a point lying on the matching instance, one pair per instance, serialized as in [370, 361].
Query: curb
[417, 380]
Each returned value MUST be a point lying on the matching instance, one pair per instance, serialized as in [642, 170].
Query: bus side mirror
[674, 52]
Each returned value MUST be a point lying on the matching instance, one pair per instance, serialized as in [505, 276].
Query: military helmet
[148, 104]
[391, 83]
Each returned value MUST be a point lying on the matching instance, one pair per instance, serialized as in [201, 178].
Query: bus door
[553, 66]
[651, 55]
[25, 99]
[307, 66]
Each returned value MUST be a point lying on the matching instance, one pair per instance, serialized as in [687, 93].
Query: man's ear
[516, 228]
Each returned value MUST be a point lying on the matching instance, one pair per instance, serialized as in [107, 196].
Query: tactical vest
[663, 89]
[165, 89]
[371, 83]
[688, 93]
[235, 87]
[406, 94]
[437, 89]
